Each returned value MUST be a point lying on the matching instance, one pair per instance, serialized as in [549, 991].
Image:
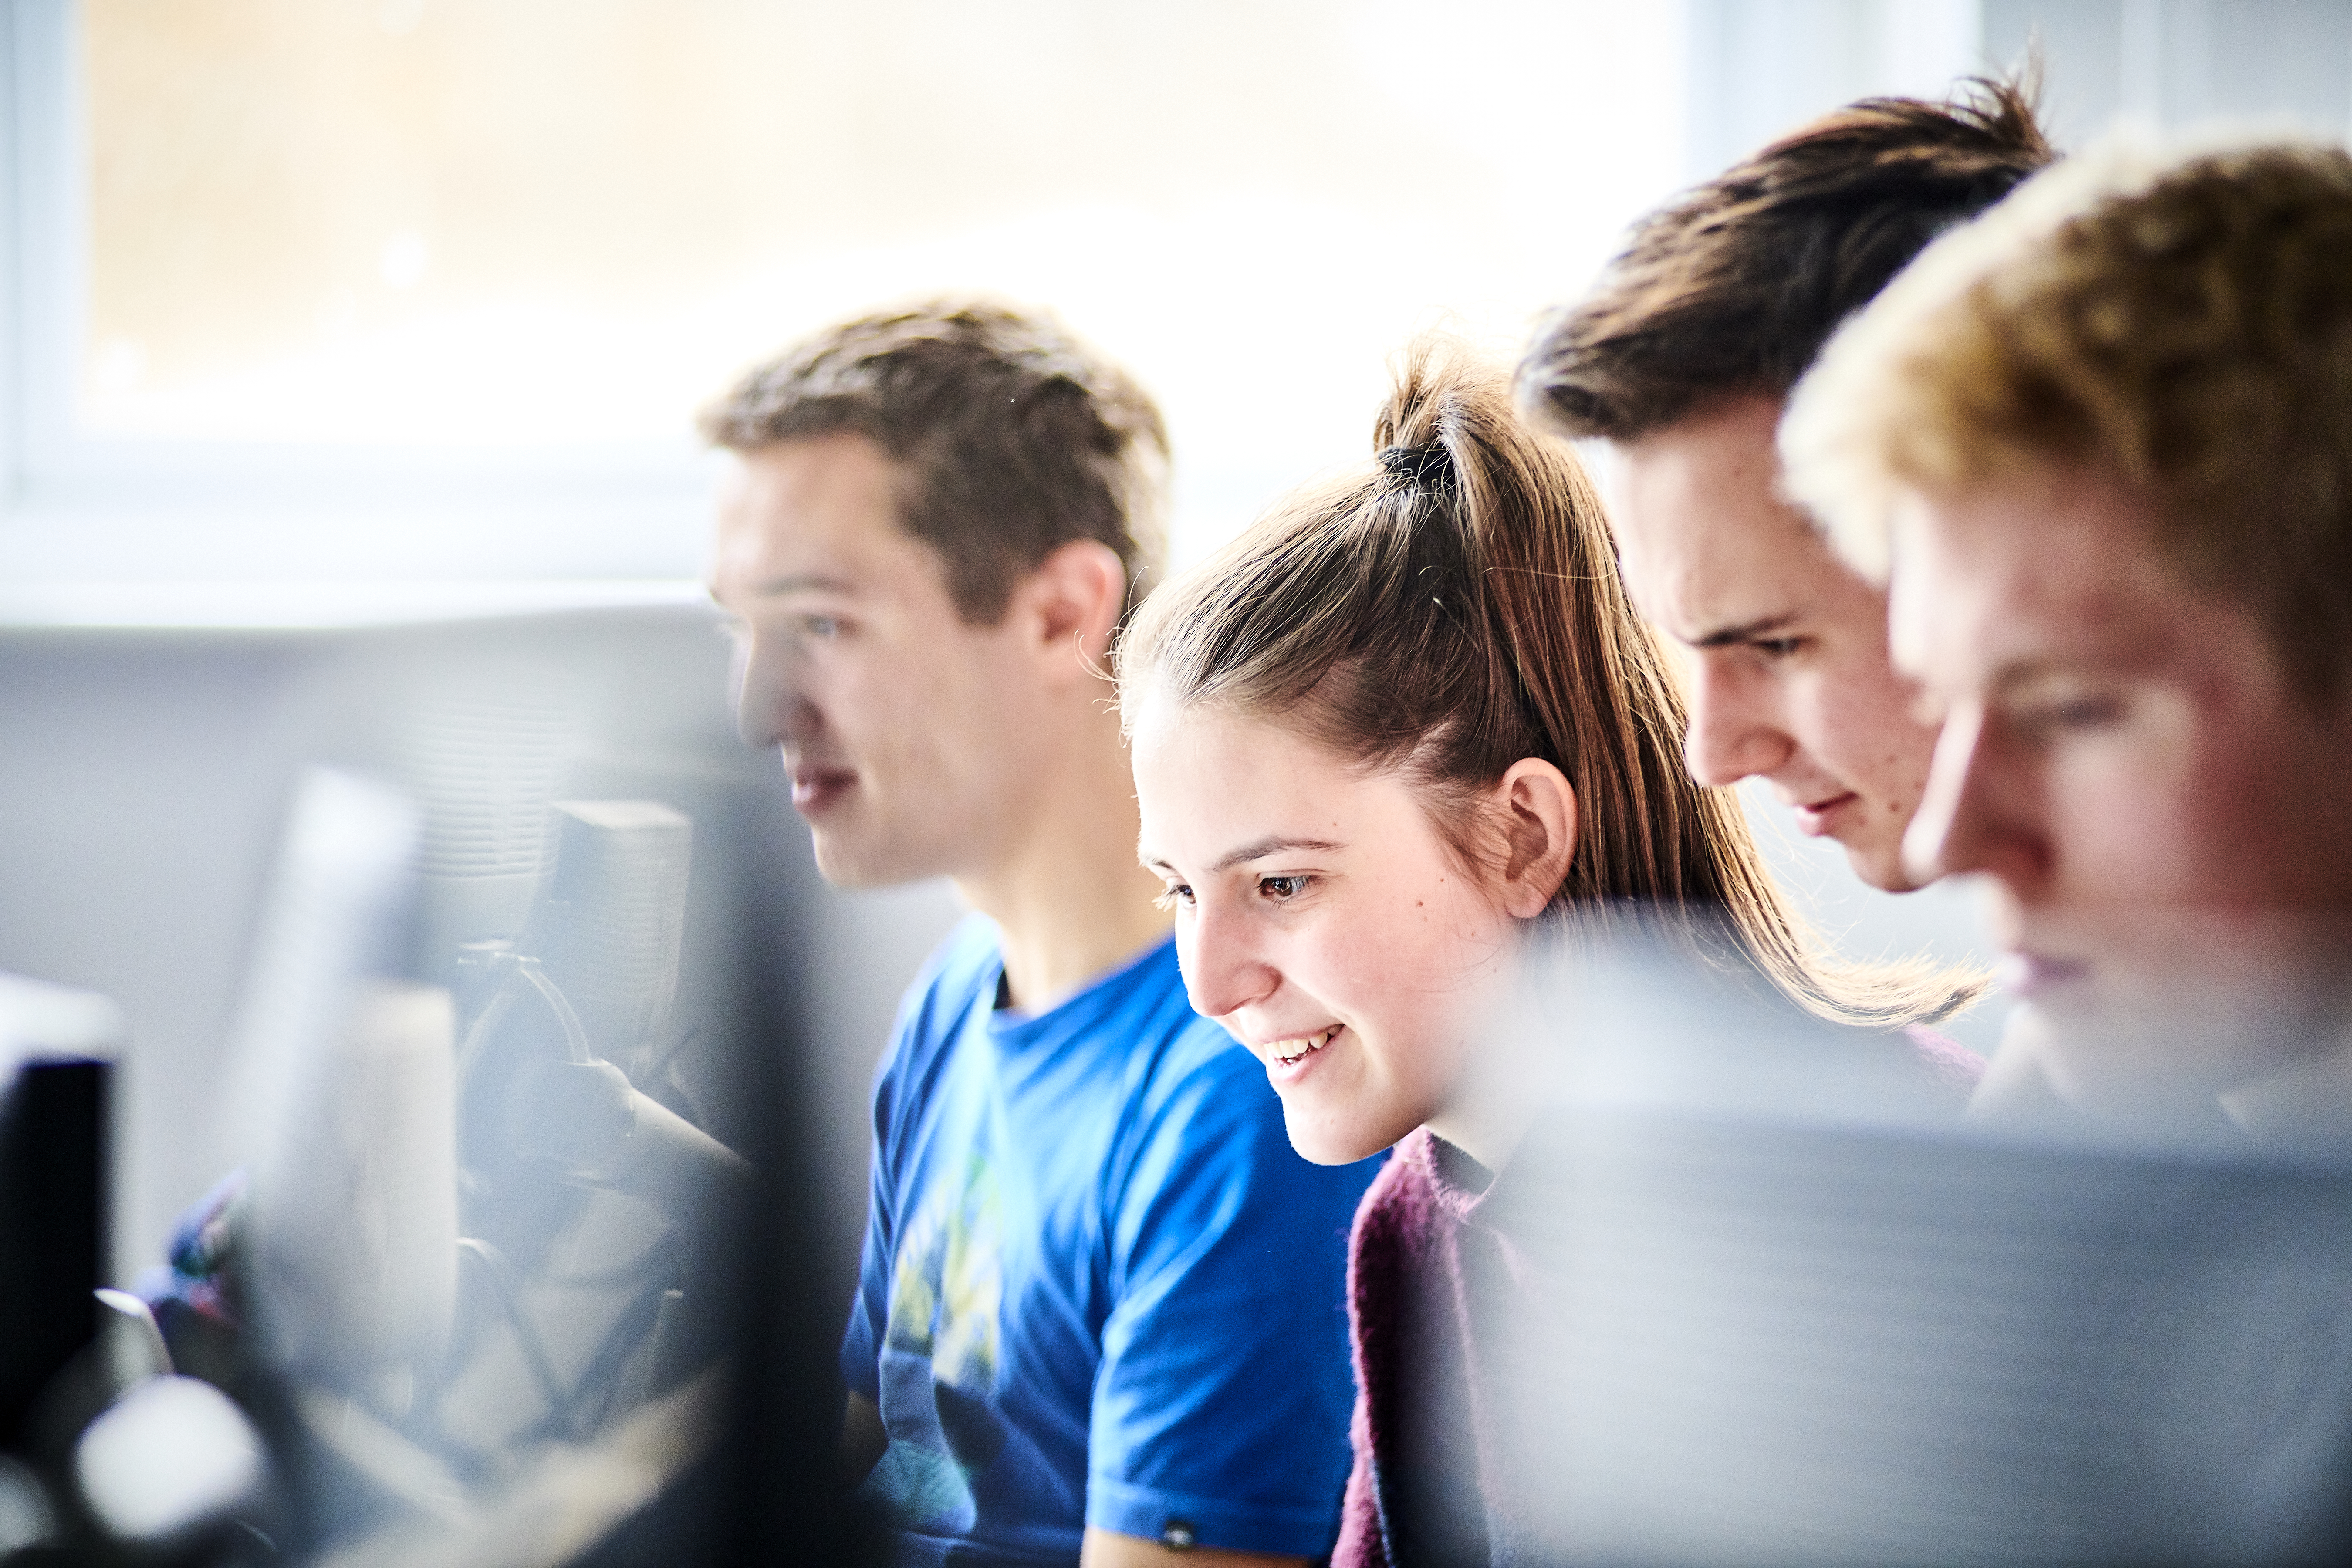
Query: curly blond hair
[2180, 322]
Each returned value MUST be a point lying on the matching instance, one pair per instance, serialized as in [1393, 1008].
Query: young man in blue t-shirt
[1100, 1317]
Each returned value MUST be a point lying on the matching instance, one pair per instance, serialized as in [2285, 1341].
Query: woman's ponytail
[1456, 606]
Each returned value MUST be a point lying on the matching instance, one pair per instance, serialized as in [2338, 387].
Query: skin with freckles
[1322, 919]
[1789, 676]
[2124, 757]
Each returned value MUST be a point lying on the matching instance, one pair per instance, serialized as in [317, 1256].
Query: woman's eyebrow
[1264, 847]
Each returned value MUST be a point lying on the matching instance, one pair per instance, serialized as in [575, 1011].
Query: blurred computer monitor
[54, 1145]
[1772, 1307]
[531, 1221]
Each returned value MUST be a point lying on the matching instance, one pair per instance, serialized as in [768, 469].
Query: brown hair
[1011, 438]
[1457, 606]
[2183, 323]
[1733, 287]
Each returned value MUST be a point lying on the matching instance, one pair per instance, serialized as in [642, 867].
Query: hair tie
[1430, 465]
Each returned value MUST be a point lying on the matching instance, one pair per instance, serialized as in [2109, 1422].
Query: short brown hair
[1455, 606]
[1733, 289]
[1011, 438]
[2182, 323]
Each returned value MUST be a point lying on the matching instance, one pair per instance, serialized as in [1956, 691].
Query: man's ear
[1071, 603]
[1536, 807]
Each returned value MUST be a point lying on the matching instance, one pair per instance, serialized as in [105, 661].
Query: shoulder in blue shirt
[1098, 1286]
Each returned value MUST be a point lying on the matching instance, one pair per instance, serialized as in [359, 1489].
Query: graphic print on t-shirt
[941, 1354]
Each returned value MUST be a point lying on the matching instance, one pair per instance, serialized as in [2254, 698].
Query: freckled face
[1321, 919]
[1790, 677]
[2126, 757]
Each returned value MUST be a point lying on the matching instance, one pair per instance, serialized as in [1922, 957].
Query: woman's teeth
[1289, 1051]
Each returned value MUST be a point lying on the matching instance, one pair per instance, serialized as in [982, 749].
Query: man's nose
[1737, 729]
[1972, 816]
[1223, 970]
[771, 708]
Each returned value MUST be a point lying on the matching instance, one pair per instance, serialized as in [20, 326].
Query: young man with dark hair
[1682, 358]
[1100, 1316]
[2104, 438]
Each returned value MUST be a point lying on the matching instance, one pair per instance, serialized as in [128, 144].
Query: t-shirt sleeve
[1220, 1407]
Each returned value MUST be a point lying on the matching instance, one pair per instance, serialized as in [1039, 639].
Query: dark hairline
[1619, 364]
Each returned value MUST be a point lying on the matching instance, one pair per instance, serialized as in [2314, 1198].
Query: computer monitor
[152, 883]
[55, 1125]
[584, 1253]
[1771, 1309]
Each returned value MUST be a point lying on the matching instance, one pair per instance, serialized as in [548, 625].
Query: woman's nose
[1225, 969]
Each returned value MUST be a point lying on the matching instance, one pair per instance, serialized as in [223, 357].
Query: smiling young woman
[1403, 721]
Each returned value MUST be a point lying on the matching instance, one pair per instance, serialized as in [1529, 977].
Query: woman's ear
[1536, 808]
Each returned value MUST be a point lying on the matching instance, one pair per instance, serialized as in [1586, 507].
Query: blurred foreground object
[55, 1084]
[413, 1410]
[56, 1080]
[389, 1377]
[171, 1455]
[348, 1078]
[1755, 1307]
[108, 1455]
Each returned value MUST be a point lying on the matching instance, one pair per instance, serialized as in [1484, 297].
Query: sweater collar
[1461, 1182]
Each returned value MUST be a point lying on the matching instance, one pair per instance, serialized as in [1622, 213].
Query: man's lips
[2023, 974]
[815, 788]
[1817, 818]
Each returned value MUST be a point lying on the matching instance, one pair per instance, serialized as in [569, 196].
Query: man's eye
[1777, 648]
[1282, 888]
[1174, 894]
[2075, 713]
[822, 628]
[2041, 719]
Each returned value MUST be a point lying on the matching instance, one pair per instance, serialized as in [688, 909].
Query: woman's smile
[1287, 867]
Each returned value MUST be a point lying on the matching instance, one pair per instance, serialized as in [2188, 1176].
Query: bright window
[385, 289]
[567, 222]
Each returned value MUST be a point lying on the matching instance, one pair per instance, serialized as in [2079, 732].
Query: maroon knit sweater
[1425, 1465]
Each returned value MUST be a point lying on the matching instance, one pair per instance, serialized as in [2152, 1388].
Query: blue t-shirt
[1099, 1288]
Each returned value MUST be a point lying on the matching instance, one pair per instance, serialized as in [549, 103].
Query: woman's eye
[1280, 889]
[822, 628]
[1777, 648]
[1175, 893]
